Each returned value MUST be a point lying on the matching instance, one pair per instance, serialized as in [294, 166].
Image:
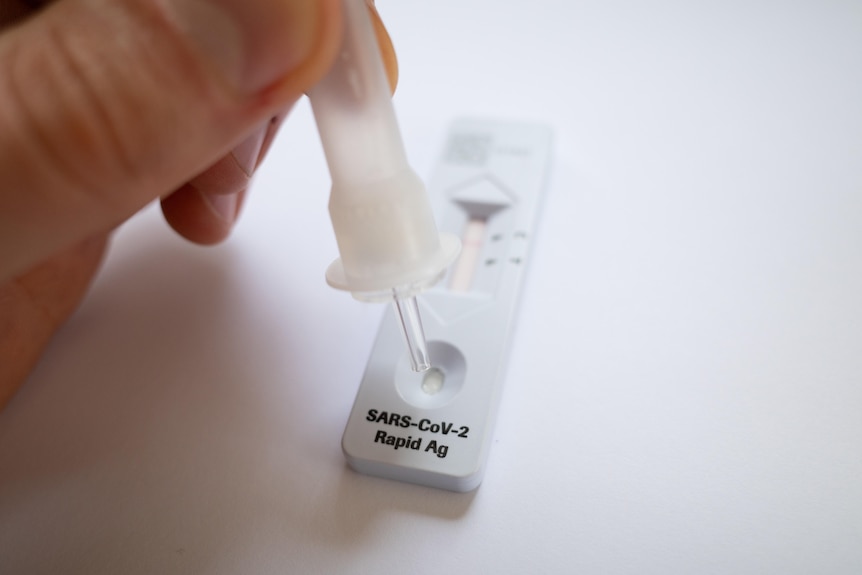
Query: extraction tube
[385, 230]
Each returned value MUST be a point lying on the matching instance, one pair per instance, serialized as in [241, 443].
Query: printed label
[418, 443]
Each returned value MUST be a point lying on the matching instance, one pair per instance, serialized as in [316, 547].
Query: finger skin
[35, 304]
[12, 11]
[87, 139]
[387, 50]
[190, 215]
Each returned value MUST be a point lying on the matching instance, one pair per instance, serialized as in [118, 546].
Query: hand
[106, 105]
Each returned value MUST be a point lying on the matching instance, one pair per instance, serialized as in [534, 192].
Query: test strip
[472, 240]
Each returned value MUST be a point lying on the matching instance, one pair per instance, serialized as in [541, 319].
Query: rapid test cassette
[435, 428]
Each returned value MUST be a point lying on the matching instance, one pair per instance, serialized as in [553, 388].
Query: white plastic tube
[385, 230]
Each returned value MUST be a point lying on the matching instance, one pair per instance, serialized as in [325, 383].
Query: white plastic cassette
[436, 428]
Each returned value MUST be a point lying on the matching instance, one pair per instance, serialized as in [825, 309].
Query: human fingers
[384, 42]
[35, 304]
[106, 105]
[13, 10]
[205, 209]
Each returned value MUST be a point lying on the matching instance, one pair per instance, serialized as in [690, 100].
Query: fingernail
[253, 43]
[271, 131]
[247, 153]
[223, 206]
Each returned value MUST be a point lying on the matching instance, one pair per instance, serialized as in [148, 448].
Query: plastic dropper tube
[388, 241]
[407, 311]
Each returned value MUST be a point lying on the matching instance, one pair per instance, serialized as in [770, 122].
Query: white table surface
[684, 392]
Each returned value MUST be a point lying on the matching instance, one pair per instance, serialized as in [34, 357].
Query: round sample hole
[437, 386]
[433, 381]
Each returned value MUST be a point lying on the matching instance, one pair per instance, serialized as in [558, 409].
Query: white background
[684, 392]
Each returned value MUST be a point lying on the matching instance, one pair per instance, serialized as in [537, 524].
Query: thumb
[106, 105]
